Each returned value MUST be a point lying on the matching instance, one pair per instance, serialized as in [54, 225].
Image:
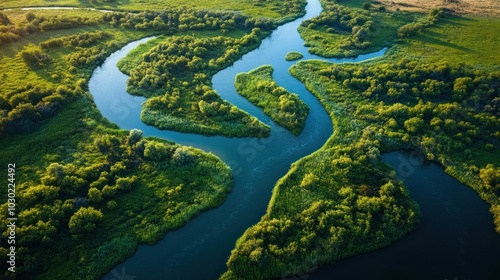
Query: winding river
[200, 249]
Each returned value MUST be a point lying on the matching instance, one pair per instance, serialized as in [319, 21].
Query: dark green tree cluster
[284, 107]
[83, 39]
[357, 24]
[181, 19]
[24, 109]
[175, 75]
[33, 24]
[414, 28]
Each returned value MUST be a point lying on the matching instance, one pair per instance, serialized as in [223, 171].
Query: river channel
[199, 250]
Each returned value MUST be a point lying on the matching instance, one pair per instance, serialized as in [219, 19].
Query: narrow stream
[199, 250]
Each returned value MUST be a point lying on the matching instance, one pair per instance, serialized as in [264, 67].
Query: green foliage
[275, 9]
[343, 31]
[34, 24]
[337, 202]
[34, 57]
[175, 75]
[413, 28]
[285, 108]
[291, 56]
[85, 184]
[85, 220]
[447, 112]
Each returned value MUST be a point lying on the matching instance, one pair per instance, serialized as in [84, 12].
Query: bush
[85, 220]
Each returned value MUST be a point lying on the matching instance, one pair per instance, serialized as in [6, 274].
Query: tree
[414, 124]
[95, 195]
[134, 136]
[85, 220]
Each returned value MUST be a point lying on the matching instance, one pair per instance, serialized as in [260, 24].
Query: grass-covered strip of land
[284, 107]
[81, 183]
[338, 202]
[291, 56]
[176, 75]
[343, 29]
[275, 9]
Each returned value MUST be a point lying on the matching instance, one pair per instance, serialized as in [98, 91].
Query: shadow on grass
[433, 38]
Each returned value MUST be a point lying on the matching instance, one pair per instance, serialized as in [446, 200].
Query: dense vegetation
[432, 103]
[338, 202]
[82, 183]
[341, 31]
[284, 107]
[291, 56]
[276, 9]
[176, 75]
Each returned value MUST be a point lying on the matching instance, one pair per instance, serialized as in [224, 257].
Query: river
[200, 249]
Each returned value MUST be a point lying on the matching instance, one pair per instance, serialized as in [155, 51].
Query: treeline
[24, 109]
[83, 39]
[176, 75]
[182, 19]
[33, 24]
[284, 107]
[413, 28]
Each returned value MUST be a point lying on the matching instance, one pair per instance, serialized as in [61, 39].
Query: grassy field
[271, 9]
[470, 40]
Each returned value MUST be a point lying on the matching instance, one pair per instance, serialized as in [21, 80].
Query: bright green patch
[291, 56]
[285, 108]
[470, 40]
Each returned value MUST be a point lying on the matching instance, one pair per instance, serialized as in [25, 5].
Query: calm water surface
[199, 250]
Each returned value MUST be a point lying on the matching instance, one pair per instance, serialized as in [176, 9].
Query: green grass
[272, 9]
[455, 40]
[284, 107]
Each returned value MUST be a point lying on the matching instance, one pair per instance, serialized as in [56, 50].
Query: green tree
[85, 220]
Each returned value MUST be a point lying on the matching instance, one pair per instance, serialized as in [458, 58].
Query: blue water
[199, 250]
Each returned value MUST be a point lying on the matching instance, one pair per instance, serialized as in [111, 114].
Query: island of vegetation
[87, 193]
[292, 56]
[424, 96]
[284, 107]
